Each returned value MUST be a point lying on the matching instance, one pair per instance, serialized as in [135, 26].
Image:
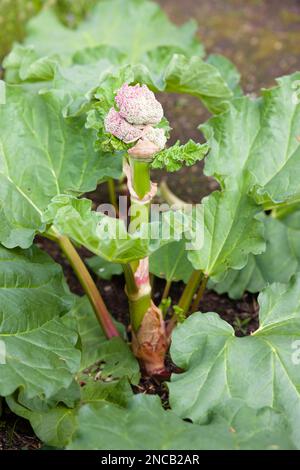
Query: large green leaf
[40, 353]
[261, 369]
[132, 26]
[113, 358]
[107, 426]
[121, 33]
[277, 264]
[56, 425]
[255, 144]
[108, 237]
[170, 262]
[231, 233]
[104, 373]
[41, 155]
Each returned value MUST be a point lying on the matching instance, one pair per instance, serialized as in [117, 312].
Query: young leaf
[261, 369]
[231, 233]
[277, 264]
[255, 144]
[40, 354]
[175, 157]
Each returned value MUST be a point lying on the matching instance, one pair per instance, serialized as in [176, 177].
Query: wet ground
[262, 38]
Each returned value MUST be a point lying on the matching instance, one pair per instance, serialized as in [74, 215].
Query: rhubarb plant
[79, 111]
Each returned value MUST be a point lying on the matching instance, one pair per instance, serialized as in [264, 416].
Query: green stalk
[200, 293]
[112, 193]
[166, 290]
[141, 184]
[85, 279]
[140, 296]
[189, 291]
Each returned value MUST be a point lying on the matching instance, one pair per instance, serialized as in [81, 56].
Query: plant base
[151, 342]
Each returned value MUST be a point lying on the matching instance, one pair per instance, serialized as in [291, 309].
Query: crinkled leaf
[261, 369]
[255, 144]
[103, 268]
[170, 262]
[108, 237]
[40, 353]
[228, 71]
[107, 426]
[231, 233]
[277, 264]
[113, 357]
[175, 157]
[41, 155]
[55, 426]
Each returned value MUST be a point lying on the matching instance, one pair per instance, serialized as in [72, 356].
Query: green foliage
[231, 233]
[255, 144]
[261, 368]
[277, 264]
[104, 269]
[42, 154]
[40, 353]
[108, 237]
[175, 157]
[171, 263]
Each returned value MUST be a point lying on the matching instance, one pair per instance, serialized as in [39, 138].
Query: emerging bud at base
[150, 343]
[144, 150]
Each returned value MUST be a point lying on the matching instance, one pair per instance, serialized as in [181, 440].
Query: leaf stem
[166, 290]
[85, 279]
[200, 293]
[189, 291]
[112, 193]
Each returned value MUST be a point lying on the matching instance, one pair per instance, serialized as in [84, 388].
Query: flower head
[138, 105]
[120, 128]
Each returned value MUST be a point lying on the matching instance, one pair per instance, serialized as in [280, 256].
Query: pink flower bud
[120, 128]
[138, 105]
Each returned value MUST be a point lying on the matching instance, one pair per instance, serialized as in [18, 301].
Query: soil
[262, 38]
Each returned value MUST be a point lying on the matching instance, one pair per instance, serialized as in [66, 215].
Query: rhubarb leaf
[231, 233]
[261, 369]
[40, 354]
[108, 237]
[255, 144]
[41, 155]
[104, 269]
[111, 359]
[107, 426]
[55, 426]
[170, 262]
[134, 27]
[277, 264]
